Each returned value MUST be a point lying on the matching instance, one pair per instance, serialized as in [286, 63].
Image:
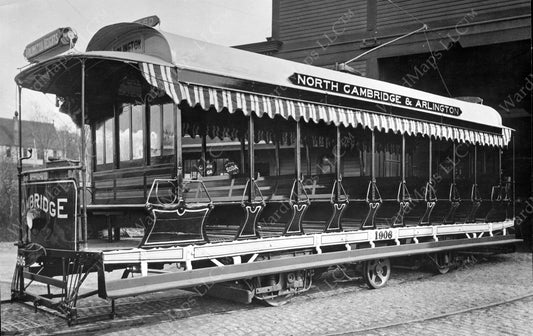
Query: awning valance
[166, 78]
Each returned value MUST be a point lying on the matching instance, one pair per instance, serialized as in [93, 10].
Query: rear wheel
[376, 272]
[278, 289]
[443, 262]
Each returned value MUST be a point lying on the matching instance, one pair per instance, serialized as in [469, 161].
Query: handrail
[155, 184]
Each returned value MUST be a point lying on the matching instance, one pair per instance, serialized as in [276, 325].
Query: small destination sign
[150, 21]
[372, 94]
[53, 43]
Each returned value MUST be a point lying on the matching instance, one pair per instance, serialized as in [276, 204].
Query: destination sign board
[378, 96]
[50, 210]
[150, 21]
[53, 43]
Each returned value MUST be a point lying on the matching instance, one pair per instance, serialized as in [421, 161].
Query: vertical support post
[454, 161]
[373, 163]
[19, 165]
[338, 163]
[178, 143]
[513, 185]
[475, 164]
[430, 158]
[404, 158]
[298, 157]
[276, 154]
[298, 150]
[204, 151]
[83, 154]
[243, 150]
[500, 171]
[308, 159]
[251, 162]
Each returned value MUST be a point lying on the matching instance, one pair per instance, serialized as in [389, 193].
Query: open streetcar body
[341, 169]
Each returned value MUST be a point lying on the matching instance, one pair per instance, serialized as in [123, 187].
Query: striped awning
[165, 78]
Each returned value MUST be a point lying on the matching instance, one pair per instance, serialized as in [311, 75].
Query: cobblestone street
[414, 302]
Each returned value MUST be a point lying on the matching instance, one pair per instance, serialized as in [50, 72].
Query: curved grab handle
[454, 193]
[338, 193]
[253, 184]
[372, 193]
[430, 195]
[298, 185]
[155, 190]
[496, 193]
[403, 193]
[474, 194]
[177, 197]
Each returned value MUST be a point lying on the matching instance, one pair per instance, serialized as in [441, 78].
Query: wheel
[278, 289]
[443, 262]
[376, 272]
[276, 301]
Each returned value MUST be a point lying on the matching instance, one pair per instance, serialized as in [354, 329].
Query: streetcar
[241, 174]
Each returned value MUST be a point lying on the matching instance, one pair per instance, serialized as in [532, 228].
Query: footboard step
[227, 292]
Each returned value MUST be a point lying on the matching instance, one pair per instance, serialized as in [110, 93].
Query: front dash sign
[51, 211]
[381, 97]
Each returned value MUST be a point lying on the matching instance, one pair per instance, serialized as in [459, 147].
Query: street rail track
[436, 316]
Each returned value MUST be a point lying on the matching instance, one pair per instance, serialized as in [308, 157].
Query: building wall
[471, 48]
[324, 33]
[297, 22]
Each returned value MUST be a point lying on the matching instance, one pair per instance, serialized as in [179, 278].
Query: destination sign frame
[378, 96]
[55, 42]
[50, 210]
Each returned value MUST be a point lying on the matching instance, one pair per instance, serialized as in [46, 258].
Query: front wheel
[377, 272]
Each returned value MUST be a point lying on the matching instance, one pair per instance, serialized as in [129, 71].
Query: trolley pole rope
[424, 27]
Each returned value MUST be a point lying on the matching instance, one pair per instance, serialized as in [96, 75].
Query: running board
[226, 292]
[212, 275]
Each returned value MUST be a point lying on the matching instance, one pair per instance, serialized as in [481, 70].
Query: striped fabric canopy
[166, 78]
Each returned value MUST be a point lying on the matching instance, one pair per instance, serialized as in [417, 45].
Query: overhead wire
[427, 41]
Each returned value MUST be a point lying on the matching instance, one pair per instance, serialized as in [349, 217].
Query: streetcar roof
[183, 53]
